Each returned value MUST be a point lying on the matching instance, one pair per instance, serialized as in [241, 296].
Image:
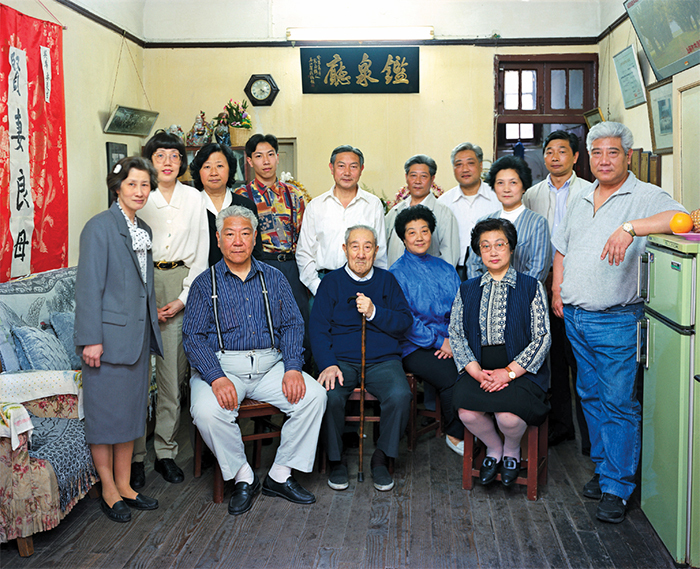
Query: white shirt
[320, 244]
[180, 230]
[358, 279]
[468, 210]
[445, 238]
[209, 205]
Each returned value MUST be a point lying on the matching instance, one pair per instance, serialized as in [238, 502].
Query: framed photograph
[659, 105]
[125, 120]
[593, 117]
[115, 152]
[629, 75]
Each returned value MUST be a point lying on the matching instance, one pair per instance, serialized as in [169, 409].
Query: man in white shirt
[420, 174]
[320, 244]
[471, 199]
[550, 198]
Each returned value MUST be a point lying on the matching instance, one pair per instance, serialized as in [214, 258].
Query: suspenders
[215, 304]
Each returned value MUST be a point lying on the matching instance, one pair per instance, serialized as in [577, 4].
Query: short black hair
[494, 224]
[203, 155]
[256, 139]
[121, 170]
[410, 214]
[561, 135]
[347, 148]
[421, 159]
[510, 162]
[162, 139]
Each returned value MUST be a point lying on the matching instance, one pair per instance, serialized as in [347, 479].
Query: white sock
[279, 473]
[245, 474]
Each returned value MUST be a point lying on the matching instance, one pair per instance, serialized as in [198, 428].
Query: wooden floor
[426, 521]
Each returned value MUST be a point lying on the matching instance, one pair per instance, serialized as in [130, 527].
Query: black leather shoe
[488, 470]
[242, 498]
[509, 470]
[170, 471]
[138, 476]
[611, 509]
[591, 489]
[291, 490]
[141, 502]
[119, 512]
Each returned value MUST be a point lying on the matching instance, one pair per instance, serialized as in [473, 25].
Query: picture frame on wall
[629, 76]
[660, 108]
[127, 120]
[593, 117]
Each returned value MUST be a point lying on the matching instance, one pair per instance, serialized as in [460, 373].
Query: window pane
[527, 130]
[512, 131]
[510, 88]
[576, 88]
[529, 90]
[558, 87]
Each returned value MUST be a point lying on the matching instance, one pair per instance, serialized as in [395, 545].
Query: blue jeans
[604, 344]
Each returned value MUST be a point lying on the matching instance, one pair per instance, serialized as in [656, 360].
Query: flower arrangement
[237, 114]
[403, 194]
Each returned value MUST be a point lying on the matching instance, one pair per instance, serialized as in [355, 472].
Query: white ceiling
[264, 20]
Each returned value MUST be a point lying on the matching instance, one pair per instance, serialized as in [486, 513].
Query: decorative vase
[239, 136]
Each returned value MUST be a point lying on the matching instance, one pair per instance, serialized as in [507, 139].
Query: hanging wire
[51, 13]
[116, 73]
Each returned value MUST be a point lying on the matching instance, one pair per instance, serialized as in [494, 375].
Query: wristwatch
[511, 373]
[627, 226]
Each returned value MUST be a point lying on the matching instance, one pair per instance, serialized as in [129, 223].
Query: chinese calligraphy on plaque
[360, 70]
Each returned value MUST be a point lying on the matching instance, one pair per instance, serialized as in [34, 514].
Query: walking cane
[360, 473]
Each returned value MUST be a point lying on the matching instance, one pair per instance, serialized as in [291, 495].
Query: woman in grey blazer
[116, 329]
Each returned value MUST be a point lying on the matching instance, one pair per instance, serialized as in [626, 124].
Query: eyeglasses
[499, 246]
[161, 157]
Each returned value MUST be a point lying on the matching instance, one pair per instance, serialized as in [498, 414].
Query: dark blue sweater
[335, 326]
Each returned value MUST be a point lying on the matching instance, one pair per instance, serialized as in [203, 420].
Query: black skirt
[522, 397]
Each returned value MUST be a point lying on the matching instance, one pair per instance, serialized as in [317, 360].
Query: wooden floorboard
[427, 521]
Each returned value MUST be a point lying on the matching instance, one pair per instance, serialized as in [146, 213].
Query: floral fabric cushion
[39, 349]
[8, 319]
[63, 324]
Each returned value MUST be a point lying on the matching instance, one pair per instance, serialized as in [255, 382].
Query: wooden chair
[414, 431]
[354, 396]
[249, 409]
[534, 467]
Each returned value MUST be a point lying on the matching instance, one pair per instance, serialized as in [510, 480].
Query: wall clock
[261, 90]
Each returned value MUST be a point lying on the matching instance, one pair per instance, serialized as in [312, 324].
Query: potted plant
[238, 121]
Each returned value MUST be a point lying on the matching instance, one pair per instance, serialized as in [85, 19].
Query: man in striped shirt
[244, 340]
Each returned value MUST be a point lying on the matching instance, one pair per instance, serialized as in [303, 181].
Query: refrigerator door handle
[643, 275]
[643, 342]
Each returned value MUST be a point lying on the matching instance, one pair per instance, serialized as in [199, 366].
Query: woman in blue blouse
[499, 333]
[430, 285]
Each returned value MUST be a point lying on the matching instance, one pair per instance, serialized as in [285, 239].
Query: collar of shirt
[481, 192]
[228, 199]
[512, 215]
[553, 188]
[625, 188]
[354, 277]
[262, 188]
[159, 201]
[361, 195]
[509, 278]
[254, 269]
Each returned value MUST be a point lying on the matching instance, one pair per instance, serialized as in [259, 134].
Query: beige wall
[610, 98]
[90, 54]
[455, 104]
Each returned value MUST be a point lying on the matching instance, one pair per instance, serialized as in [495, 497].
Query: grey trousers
[258, 375]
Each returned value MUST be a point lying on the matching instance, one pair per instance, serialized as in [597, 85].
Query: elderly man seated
[242, 333]
[344, 296]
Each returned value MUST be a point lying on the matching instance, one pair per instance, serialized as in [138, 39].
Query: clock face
[260, 89]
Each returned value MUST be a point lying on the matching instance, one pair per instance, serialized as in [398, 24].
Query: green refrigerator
[669, 277]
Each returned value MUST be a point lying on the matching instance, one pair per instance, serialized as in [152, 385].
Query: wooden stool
[413, 430]
[535, 465]
[354, 396]
[249, 409]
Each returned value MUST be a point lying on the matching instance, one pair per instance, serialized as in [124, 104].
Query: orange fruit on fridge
[681, 223]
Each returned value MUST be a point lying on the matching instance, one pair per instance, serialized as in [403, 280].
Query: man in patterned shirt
[280, 210]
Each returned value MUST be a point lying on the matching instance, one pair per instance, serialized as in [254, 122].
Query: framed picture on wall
[659, 105]
[126, 120]
[629, 75]
[593, 117]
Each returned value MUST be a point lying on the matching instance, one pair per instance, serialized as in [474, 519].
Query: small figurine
[200, 133]
[176, 129]
[221, 130]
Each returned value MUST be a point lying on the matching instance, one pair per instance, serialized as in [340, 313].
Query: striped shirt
[242, 318]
